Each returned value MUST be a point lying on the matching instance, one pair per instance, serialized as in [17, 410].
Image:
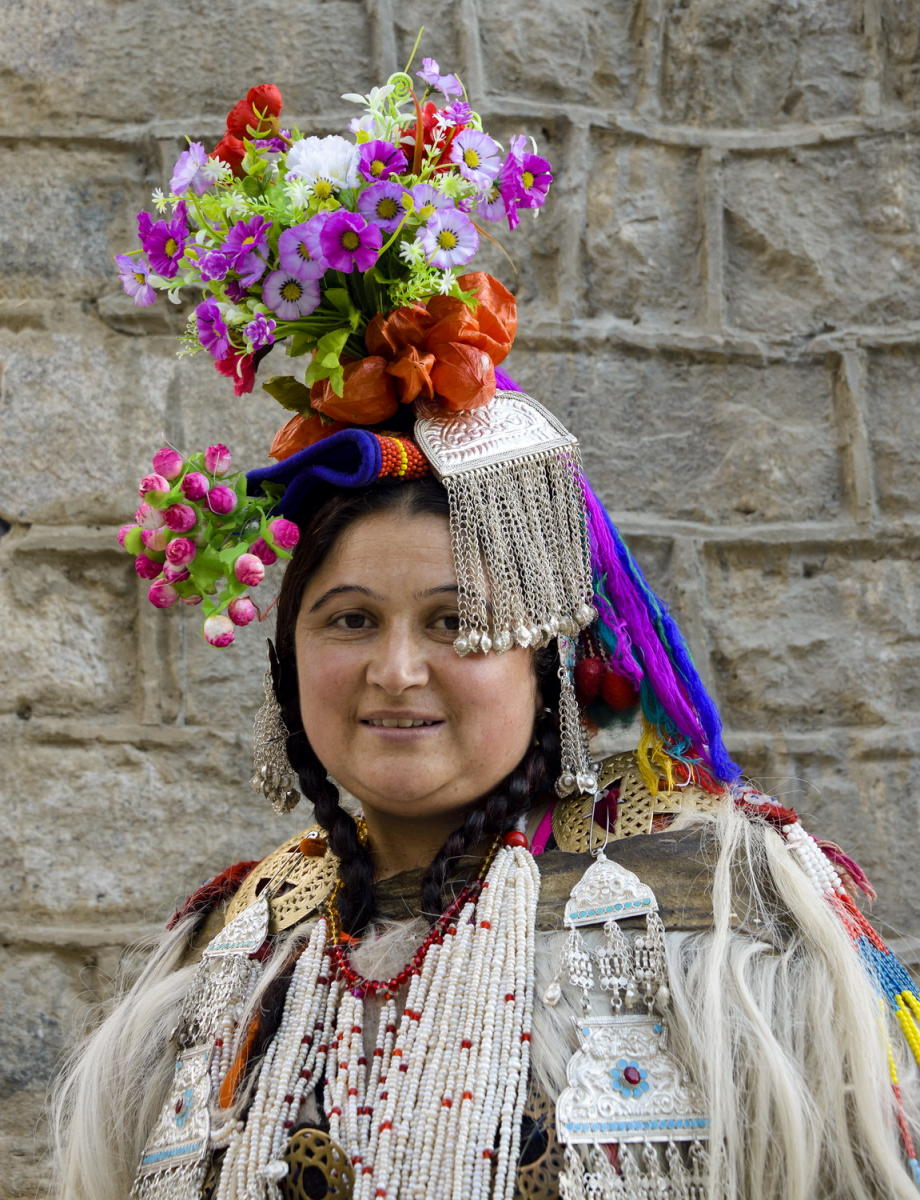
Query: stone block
[117, 64]
[894, 429]
[823, 237]
[859, 790]
[70, 633]
[761, 63]
[223, 687]
[75, 209]
[440, 41]
[44, 996]
[711, 440]
[83, 409]
[641, 251]
[900, 51]
[118, 831]
[804, 638]
[582, 53]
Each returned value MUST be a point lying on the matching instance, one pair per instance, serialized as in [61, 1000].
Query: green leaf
[340, 300]
[251, 186]
[326, 361]
[288, 391]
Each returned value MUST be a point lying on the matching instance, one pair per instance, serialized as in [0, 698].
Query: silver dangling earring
[273, 776]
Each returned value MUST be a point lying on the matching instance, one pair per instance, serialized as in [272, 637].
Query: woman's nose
[397, 662]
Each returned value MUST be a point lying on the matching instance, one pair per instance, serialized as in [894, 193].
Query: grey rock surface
[722, 298]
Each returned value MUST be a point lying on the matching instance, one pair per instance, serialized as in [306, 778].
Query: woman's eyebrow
[437, 591]
[338, 591]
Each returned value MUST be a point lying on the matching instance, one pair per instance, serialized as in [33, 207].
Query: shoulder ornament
[576, 832]
[295, 879]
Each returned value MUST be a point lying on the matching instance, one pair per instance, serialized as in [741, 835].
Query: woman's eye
[449, 622]
[351, 620]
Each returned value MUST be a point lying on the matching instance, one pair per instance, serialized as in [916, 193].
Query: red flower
[231, 151]
[239, 368]
[267, 99]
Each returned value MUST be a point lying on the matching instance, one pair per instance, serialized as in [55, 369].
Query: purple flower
[349, 243]
[188, 171]
[134, 274]
[380, 160]
[244, 244]
[164, 241]
[260, 331]
[276, 145]
[491, 205]
[162, 594]
[428, 200]
[261, 549]
[236, 291]
[218, 630]
[477, 156]
[212, 332]
[385, 204]
[145, 567]
[448, 85]
[298, 249]
[213, 265]
[181, 551]
[524, 180]
[457, 113]
[449, 239]
[290, 295]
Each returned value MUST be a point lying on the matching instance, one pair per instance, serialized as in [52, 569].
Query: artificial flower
[180, 517]
[174, 574]
[145, 567]
[153, 486]
[155, 539]
[260, 331]
[427, 200]
[181, 551]
[168, 462]
[301, 431]
[477, 156]
[457, 113]
[449, 238]
[290, 295]
[284, 533]
[246, 247]
[241, 610]
[298, 249]
[162, 594]
[230, 150]
[380, 160]
[523, 181]
[164, 241]
[249, 569]
[221, 500]
[217, 459]
[447, 85]
[369, 394]
[218, 630]
[385, 204]
[236, 290]
[260, 547]
[212, 331]
[350, 243]
[189, 171]
[327, 164]
[213, 266]
[194, 485]
[134, 274]
[260, 105]
[238, 367]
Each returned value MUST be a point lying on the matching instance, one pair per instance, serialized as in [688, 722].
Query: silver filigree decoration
[608, 891]
[272, 773]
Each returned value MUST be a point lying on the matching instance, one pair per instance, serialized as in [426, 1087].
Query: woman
[467, 989]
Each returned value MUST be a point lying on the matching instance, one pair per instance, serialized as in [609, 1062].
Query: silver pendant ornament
[632, 1121]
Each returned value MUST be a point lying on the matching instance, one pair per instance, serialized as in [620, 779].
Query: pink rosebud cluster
[199, 539]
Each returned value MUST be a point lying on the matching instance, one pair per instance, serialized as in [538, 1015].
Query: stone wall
[721, 297]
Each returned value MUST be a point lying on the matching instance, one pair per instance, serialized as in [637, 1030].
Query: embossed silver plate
[512, 425]
[244, 934]
[625, 1086]
[181, 1133]
[607, 891]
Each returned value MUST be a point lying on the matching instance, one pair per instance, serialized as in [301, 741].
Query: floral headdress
[353, 253]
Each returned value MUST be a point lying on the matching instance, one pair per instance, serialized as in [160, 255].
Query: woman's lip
[405, 732]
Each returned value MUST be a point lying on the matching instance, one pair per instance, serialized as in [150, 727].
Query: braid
[498, 813]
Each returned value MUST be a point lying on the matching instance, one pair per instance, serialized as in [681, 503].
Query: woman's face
[374, 647]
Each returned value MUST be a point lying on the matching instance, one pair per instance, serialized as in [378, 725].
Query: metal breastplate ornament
[632, 1122]
[176, 1157]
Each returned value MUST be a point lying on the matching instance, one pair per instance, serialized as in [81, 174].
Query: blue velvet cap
[347, 459]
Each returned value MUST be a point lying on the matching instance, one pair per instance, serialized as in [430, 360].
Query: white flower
[412, 254]
[447, 282]
[374, 98]
[326, 164]
[298, 191]
[214, 169]
[159, 200]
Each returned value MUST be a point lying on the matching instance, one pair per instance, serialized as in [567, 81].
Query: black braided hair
[494, 814]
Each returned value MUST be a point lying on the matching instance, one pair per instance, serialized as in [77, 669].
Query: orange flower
[463, 377]
[369, 394]
[300, 432]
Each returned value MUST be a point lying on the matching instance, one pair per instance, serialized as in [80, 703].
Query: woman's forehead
[390, 552]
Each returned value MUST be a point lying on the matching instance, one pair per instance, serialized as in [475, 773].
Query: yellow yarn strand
[908, 1024]
[653, 760]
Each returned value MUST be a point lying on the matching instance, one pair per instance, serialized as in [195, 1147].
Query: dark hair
[496, 813]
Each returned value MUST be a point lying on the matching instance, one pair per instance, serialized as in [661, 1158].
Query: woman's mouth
[398, 723]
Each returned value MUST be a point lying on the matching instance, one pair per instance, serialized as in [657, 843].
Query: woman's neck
[402, 843]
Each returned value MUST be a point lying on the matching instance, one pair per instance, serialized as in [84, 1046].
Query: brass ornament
[318, 1168]
[574, 830]
[542, 1158]
[294, 883]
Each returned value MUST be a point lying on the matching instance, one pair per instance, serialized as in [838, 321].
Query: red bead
[485, 924]
[287, 1124]
[618, 692]
[514, 837]
[510, 996]
[466, 1044]
[525, 1037]
[632, 1076]
[180, 1104]
[289, 1099]
[467, 1095]
[446, 1102]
